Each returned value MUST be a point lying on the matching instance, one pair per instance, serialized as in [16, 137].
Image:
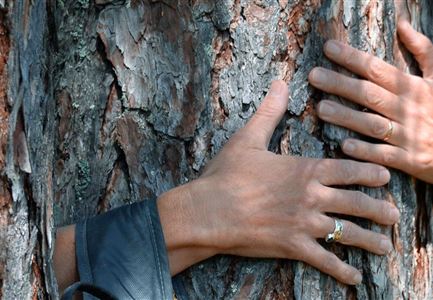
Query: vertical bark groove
[5, 192]
[105, 102]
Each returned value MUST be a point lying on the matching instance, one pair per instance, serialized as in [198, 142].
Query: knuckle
[376, 240]
[378, 128]
[372, 172]
[350, 58]
[384, 209]
[359, 196]
[424, 51]
[346, 114]
[329, 80]
[348, 172]
[313, 195]
[388, 158]
[296, 251]
[357, 204]
[373, 97]
[328, 264]
[314, 225]
[309, 202]
[323, 166]
[374, 69]
[268, 109]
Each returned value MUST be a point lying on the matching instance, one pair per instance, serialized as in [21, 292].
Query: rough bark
[106, 102]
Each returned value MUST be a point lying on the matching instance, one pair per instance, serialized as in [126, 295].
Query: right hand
[252, 202]
[400, 104]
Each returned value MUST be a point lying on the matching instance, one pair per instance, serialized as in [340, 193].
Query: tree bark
[107, 102]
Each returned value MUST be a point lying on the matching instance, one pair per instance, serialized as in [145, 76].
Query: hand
[251, 202]
[397, 97]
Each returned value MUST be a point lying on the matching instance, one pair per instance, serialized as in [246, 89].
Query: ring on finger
[337, 234]
[389, 131]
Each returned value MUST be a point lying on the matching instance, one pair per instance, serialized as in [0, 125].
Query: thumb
[268, 115]
[419, 45]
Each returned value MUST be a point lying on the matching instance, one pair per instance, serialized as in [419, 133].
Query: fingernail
[357, 279]
[332, 48]
[326, 109]
[394, 214]
[384, 175]
[349, 147]
[385, 246]
[318, 75]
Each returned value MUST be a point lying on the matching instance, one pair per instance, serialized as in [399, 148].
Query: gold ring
[337, 234]
[389, 132]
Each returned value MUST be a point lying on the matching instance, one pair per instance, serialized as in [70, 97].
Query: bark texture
[105, 102]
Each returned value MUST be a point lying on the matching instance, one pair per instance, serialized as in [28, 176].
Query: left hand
[404, 104]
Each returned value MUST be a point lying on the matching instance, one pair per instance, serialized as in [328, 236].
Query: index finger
[368, 66]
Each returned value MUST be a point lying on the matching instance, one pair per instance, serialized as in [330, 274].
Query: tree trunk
[106, 102]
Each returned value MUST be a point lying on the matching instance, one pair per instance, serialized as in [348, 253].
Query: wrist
[187, 237]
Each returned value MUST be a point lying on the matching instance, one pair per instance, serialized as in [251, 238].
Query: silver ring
[337, 234]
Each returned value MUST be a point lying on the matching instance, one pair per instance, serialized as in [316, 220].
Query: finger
[268, 115]
[419, 45]
[368, 124]
[330, 264]
[347, 172]
[359, 91]
[357, 236]
[368, 66]
[383, 154]
[358, 204]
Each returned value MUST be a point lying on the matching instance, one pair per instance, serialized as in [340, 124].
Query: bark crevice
[120, 100]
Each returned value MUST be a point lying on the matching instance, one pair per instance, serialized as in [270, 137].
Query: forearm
[64, 258]
[247, 202]
[185, 240]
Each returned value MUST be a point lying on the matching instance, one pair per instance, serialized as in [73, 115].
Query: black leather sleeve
[123, 252]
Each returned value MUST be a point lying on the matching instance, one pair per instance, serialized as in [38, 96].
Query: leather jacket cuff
[123, 251]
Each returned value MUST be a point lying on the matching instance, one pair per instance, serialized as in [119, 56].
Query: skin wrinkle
[216, 193]
[412, 127]
[235, 203]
